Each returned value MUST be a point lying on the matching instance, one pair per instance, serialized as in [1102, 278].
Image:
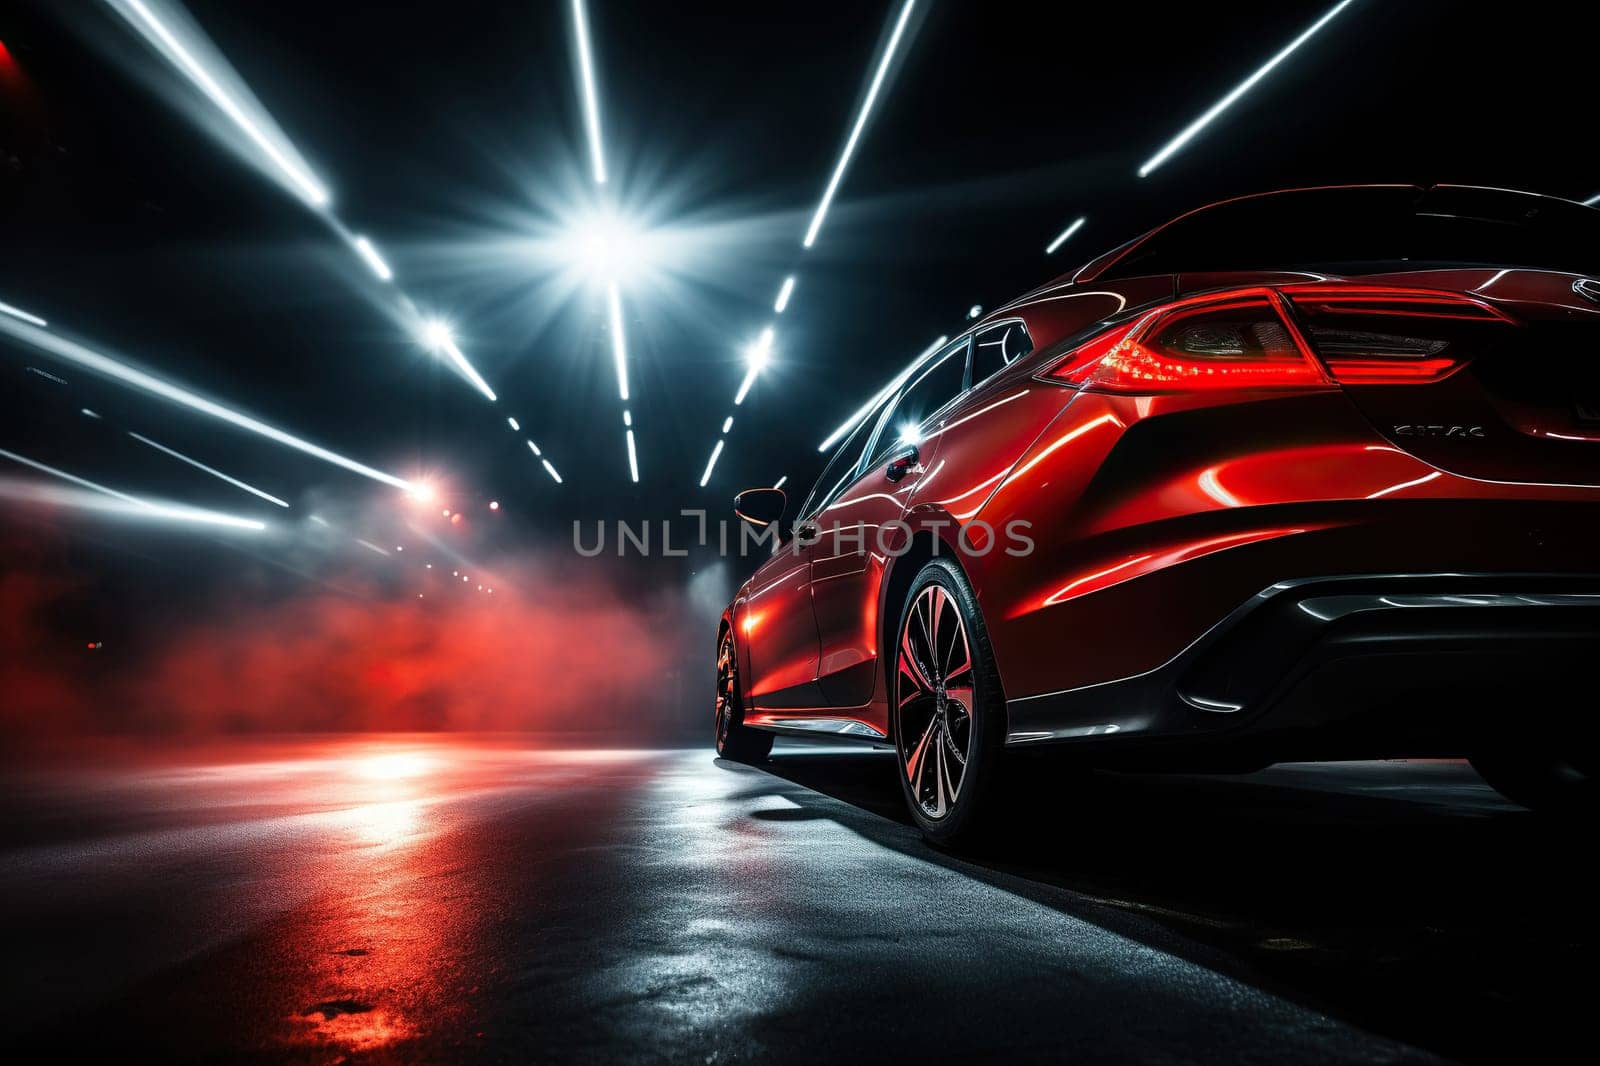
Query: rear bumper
[1353, 666]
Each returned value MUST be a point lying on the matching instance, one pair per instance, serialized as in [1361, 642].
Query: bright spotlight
[370, 256]
[423, 492]
[76, 353]
[1061, 238]
[198, 465]
[757, 357]
[17, 312]
[436, 333]
[759, 354]
[782, 303]
[591, 100]
[711, 464]
[861, 123]
[909, 434]
[882, 394]
[237, 104]
[1243, 87]
[439, 338]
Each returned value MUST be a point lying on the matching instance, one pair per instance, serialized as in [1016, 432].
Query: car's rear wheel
[735, 740]
[946, 704]
[1541, 781]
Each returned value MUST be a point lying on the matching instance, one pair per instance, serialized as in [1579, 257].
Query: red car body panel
[1153, 516]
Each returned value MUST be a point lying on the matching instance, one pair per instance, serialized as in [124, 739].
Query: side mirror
[760, 507]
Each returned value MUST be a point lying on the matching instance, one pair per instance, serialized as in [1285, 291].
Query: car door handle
[901, 462]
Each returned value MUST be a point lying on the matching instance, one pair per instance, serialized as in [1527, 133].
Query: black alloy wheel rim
[934, 701]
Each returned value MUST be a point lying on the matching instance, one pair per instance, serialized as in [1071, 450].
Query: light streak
[551, 470]
[779, 483]
[365, 249]
[89, 414]
[73, 352]
[124, 503]
[633, 459]
[437, 336]
[861, 123]
[371, 546]
[1593, 200]
[1061, 238]
[744, 386]
[882, 394]
[619, 343]
[26, 316]
[138, 14]
[711, 463]
[47, 375]
[727, 423]
[235, 482]
[534, 448]
[514, 424]
[591, 100]
[781, 304]
[1239, 90]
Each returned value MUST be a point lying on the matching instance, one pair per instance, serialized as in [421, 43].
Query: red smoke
[547, 650]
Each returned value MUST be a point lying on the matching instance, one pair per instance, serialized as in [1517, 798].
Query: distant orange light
[455, 519]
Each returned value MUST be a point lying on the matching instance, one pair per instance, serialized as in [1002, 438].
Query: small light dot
[494, 505]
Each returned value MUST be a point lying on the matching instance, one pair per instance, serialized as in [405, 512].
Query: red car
[1312, 474]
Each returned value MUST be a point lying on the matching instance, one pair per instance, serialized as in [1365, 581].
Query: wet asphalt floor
[438, 899]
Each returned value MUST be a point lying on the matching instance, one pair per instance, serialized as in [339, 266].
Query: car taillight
[1239, 341]
[1250, 339]
[1393, 336]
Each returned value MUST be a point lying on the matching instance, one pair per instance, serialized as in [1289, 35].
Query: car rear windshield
[1361, 229]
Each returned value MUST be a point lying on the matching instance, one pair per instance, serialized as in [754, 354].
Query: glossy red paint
[1407, 421]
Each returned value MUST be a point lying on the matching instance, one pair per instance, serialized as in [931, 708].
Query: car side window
[841, 469]
[998, 347]
[934, 385]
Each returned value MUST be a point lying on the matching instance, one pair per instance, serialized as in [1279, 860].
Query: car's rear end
[1340, 505]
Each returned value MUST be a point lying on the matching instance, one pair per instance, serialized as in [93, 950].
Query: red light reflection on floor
[344, 877]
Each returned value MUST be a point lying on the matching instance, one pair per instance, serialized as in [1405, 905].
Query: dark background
[443, 129]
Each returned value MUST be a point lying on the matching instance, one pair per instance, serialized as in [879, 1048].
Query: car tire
[734, 739]
[1542, 782]
[946, 708]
